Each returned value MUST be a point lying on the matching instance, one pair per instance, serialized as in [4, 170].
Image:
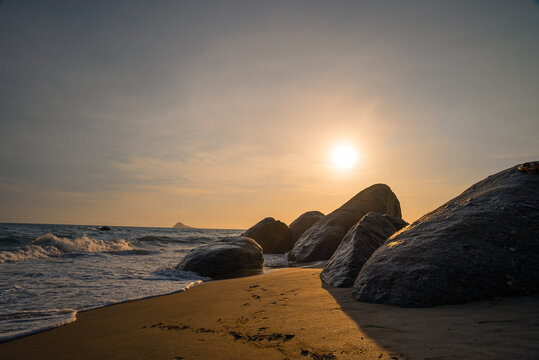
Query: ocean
[50, 272]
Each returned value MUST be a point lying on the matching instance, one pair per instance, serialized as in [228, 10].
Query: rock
[303, 223]
[105, 228]
[224, 257]
[481, 244]
[273, 235]
[180, 225]
[321, 240]
[357, 247]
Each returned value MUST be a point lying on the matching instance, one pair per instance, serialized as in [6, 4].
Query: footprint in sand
[318, 356]
[260, 338]
[289, 291]
[242, 320]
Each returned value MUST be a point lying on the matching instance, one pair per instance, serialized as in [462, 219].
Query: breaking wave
[50, 245]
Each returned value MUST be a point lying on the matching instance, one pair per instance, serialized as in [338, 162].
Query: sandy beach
[287, 314]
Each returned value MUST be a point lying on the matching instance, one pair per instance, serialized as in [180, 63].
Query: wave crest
[82, 244]
[50, 245]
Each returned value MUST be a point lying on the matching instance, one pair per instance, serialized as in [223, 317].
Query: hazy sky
[219, 113]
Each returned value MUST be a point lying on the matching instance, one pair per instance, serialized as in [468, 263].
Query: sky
[220, 113]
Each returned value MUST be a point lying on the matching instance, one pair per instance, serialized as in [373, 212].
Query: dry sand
[287, 314]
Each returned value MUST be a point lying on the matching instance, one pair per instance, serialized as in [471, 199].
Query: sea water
[49, 272]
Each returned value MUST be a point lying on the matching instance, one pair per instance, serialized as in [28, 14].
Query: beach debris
[273, 235]
[303, 223]
[357, 247]
[529, 168]
[459, 253]
[318, 356]
[321, 240]
[224, 257]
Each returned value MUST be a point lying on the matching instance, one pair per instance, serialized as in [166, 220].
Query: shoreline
[30, 332]
[287, 313]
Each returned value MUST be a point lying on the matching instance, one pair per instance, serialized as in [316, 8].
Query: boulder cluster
[320, 241]
[479, 245]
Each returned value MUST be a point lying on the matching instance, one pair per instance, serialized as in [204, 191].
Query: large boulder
[481, 244]
[273, 235]
[224, 257]
[357, 247]
[303, 223]
[321, 240]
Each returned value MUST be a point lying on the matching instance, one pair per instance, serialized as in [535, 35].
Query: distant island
[180, 225]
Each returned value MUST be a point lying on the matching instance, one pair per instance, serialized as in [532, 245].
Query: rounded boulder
[224, 257]
[273, 235]
[303, 223]
[479, 245]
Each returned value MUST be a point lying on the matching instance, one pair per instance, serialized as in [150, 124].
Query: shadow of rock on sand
[505, 328]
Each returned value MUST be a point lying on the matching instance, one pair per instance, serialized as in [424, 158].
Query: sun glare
[344, 157]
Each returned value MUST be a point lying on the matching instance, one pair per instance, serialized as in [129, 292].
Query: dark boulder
[224, 257]
[273, 235]
[357, 247]
[303, 223]
[105, 228]
[481, 244]
[321, 240]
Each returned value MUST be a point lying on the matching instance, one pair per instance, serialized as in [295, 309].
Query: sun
[344, 157]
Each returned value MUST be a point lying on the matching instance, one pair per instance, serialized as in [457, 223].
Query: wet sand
[287, 314]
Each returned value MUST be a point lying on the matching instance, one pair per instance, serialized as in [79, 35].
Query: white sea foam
[176, 274]
[29, 252]
[141, 268]
[50, 245]
[82, 244]
[185, 286]
[22, 323]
